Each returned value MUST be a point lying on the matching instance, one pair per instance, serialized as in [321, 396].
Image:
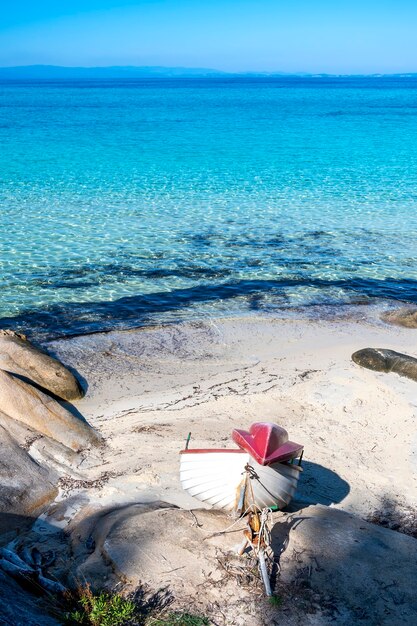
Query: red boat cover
[267, 443]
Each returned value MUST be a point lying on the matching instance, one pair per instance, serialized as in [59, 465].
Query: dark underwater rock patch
[406, 317]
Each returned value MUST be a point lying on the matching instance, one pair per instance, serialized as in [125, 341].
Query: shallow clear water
[126, 202]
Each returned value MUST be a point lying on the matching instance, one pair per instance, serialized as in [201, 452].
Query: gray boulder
[405, 317]
[18, 607]
[19, 356]
[368, 572]
[26, 488]
[164, 547]
[28, 405]
[381, 360]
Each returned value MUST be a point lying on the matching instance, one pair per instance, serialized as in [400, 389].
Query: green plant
[103, 609]
[275, 601]
[178, 619]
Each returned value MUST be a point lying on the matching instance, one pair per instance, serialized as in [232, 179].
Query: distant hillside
[56, 72]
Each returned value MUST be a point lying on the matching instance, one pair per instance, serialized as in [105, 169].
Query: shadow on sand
[318, 485]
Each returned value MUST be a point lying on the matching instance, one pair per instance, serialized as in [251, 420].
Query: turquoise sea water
[129, 202]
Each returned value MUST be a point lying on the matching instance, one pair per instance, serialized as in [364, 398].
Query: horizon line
[199, 70]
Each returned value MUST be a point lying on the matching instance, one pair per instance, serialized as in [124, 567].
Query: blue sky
[232, 35]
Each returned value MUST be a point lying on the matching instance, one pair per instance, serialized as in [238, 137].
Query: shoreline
[42, 334]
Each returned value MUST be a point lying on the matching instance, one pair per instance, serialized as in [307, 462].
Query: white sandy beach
[148, 388]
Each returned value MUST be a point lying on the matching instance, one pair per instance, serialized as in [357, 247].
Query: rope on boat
[226, 530]
[265, 532]
[258, 534]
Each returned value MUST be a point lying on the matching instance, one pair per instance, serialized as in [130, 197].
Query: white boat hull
[220, 479]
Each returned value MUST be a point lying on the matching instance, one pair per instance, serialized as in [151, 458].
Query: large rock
[181, 552]
[19, 356]
[26, 488]
[42, 413]
[146, 542]
[381, 360]
[405, 317]
[334, 568]
[367, 571]
[21, 433]
[18, 607]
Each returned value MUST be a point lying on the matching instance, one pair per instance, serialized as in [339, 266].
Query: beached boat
[262, 472]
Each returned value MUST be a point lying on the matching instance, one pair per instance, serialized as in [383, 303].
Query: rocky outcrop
[333, 567]
[20, 608]
[381, 360]
[365, 571]
[18, 356]
[26, 488]
[165, 547]
[33, 420]
[405, 317]
[40, 412]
